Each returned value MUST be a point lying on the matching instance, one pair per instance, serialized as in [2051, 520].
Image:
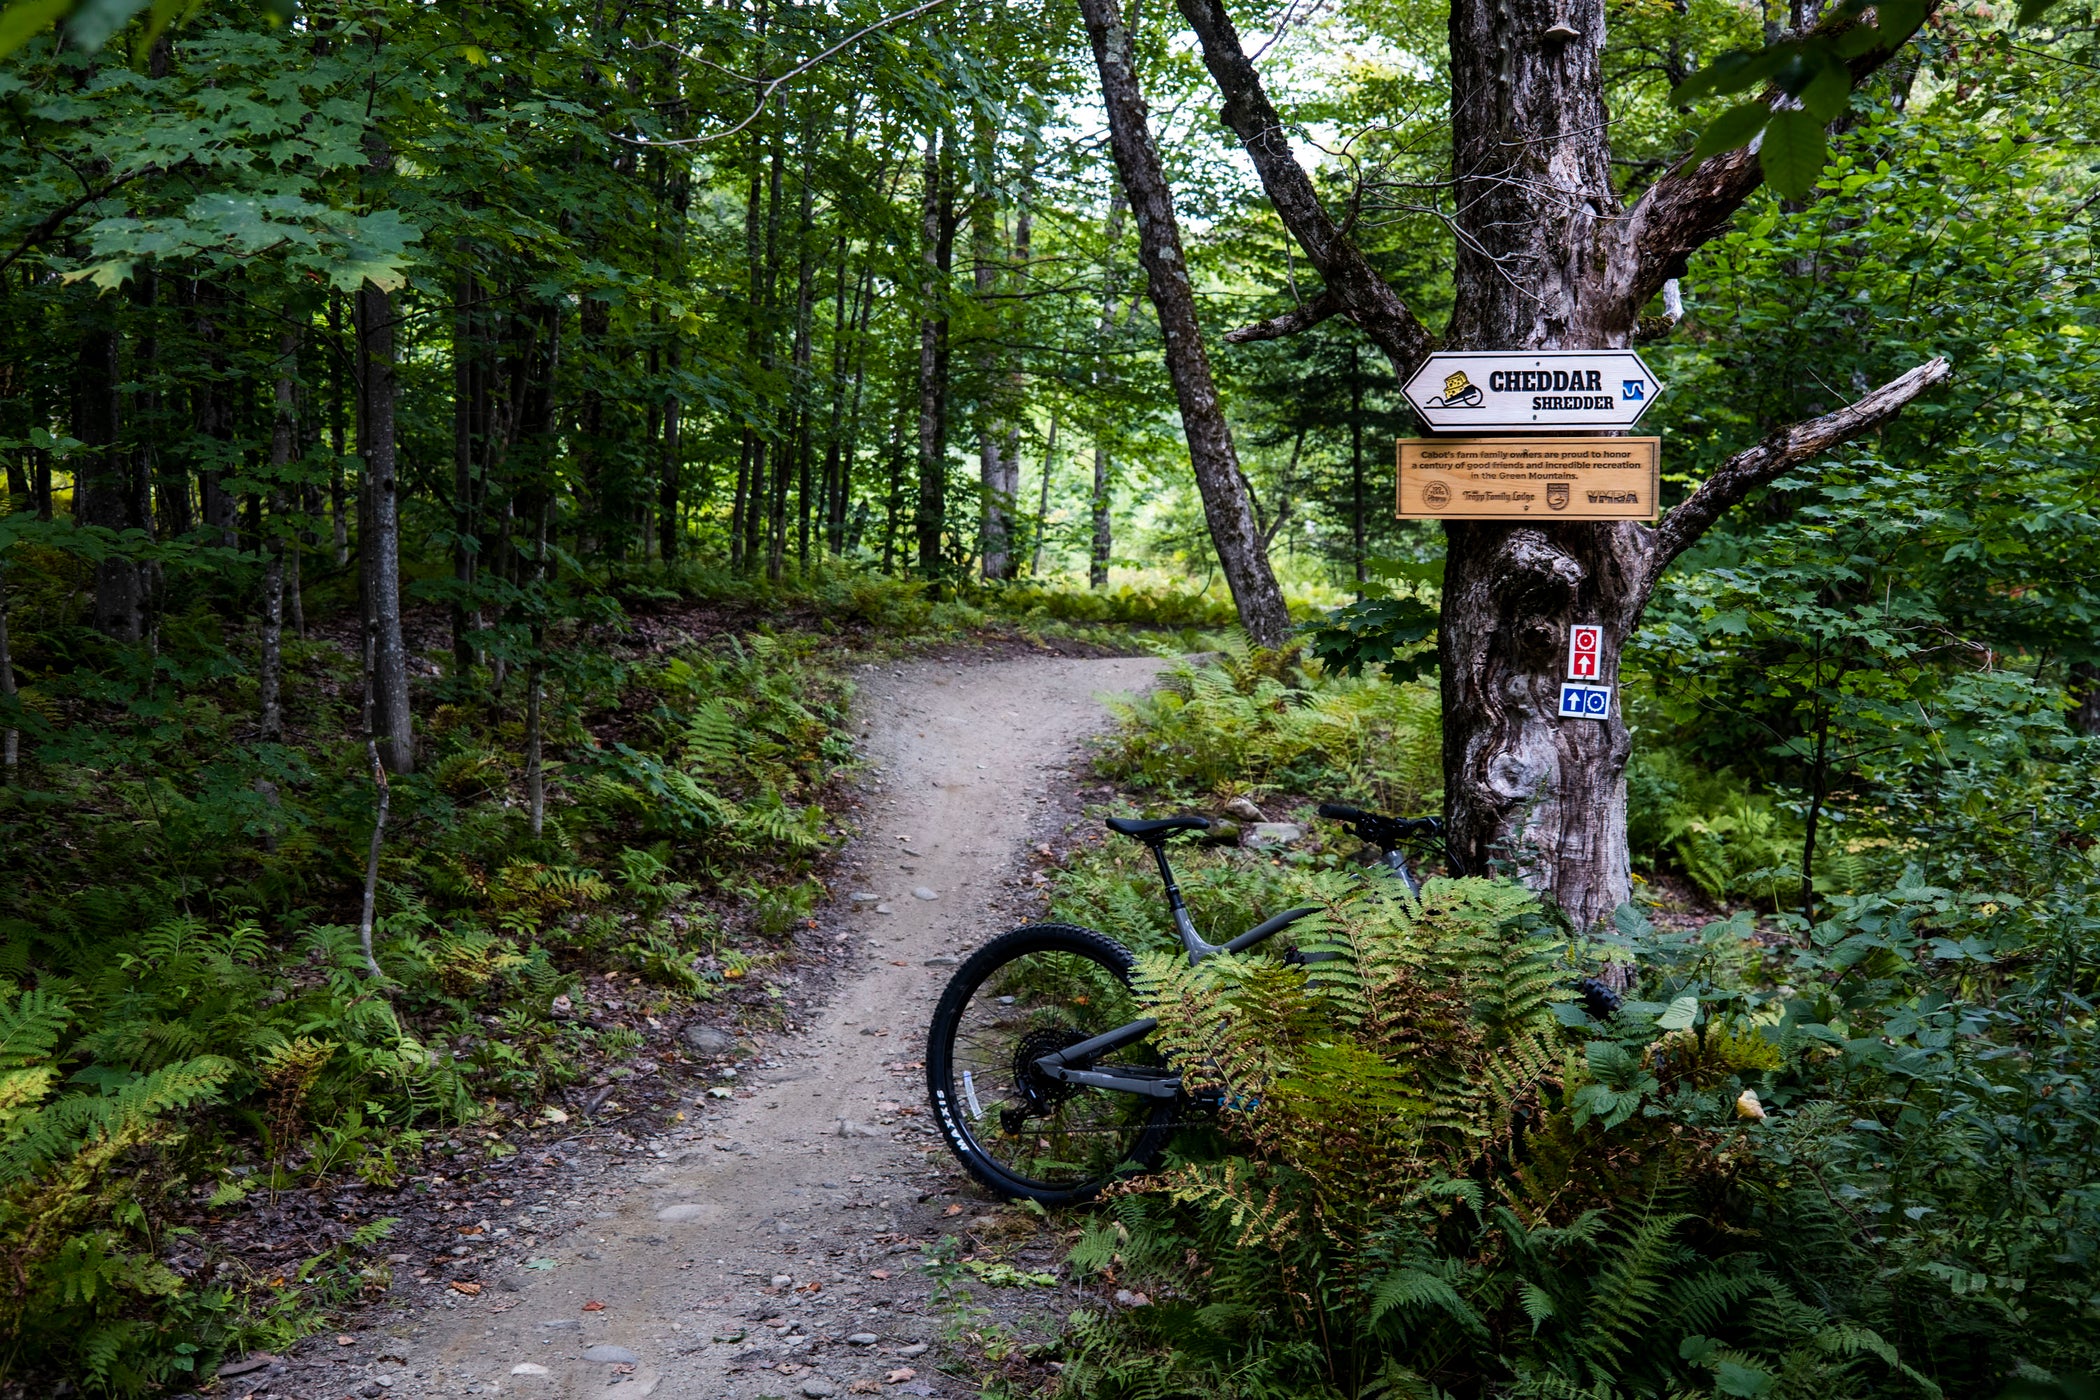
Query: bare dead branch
[1371, 302]
[1780, 452]
[768, 86]
[1299, 318]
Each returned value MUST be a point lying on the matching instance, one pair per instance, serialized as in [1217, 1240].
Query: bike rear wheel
[1029, 993]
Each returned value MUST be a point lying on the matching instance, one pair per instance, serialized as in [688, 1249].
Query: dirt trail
[821, 1176]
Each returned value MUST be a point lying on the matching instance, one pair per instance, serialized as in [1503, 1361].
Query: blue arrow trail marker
[1579, 701]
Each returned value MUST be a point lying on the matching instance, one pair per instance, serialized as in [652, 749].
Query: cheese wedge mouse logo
[1459, 392]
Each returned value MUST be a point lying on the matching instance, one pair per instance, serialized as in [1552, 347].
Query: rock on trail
[769, 1249]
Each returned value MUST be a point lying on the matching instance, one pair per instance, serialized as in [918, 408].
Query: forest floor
[777, 1242]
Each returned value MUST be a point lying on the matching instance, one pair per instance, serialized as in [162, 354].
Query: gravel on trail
[772, 1244]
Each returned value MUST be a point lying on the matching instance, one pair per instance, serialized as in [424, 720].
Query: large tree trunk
[1547, 259]
[1233, 533]
[1544, 795]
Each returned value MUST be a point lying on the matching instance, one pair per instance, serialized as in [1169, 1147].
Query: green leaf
[2032, 10]
[24, 20]
[93, 21]
[1794, 152]
[1828, 93]
[1734, 127]
[1680, 1016]
[1898, 20]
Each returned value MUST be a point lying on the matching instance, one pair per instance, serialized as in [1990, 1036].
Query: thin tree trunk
[283, 445]
[1042, 503]
[2085, 696]
[10, 737]
[1103, 550]
[932, 507]
[338, 489]
[1356, 471]
[1211, 453]
[385, 794]
[802, 390]
[469, 433]
[391, 719]
[670, 468]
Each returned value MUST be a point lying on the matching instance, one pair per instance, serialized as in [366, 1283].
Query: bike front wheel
[1027, 994]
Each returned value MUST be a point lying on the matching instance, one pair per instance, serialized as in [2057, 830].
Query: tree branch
[1302, 317]
[1350, 278]
[1691, 203]
[1780, 452]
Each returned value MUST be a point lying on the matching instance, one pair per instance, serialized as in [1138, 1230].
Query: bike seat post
[1198, 948]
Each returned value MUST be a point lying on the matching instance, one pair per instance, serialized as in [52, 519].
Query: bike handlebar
[1380, 828]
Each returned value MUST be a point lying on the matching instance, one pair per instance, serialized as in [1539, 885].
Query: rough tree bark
[381, 547]
[1547, 259]
[1241, 556]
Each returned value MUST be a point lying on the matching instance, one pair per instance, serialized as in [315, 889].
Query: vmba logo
[1633, 389]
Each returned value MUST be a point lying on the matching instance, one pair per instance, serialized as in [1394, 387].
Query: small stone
[607, 1353]
[943, 961]
[1269, 836]
[709, 1041]
[817, 1388]
[863, 1339]
[923, 893]
[247, 1364]
[687, 1211]
[884, 909]
[862, 897]
[563, 1324]
[1128, 1299]
[1245, 810]
[528, 1368]
[733, 1335]
[850, 1129]
[782, 1280]
[915, 1349]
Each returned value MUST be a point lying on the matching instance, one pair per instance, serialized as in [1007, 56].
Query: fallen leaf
[864, 1387]
[346, 1340]
[955, 1209]
[551, 1114]
[472, 1290]
[900, 1375]
[594, 1306]
[623, 1368]
[277, 1282]
[879, 1273]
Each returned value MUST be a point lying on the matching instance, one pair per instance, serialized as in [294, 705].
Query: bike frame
[1075, 1063]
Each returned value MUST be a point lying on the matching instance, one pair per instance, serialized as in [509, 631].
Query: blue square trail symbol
[1585, 701]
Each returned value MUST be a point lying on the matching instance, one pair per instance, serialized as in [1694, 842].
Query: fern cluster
[1251, 718]
[1435, 1175]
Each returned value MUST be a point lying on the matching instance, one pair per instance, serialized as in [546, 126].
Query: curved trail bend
[803, 1180]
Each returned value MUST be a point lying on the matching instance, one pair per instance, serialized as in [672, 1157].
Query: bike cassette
[1042, 1095]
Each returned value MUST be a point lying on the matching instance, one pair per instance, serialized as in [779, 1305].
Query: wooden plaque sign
[1543, 478]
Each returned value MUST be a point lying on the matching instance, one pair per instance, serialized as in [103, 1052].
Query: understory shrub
[1254, 719]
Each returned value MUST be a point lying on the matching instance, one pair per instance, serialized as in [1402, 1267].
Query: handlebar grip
[1335, 811]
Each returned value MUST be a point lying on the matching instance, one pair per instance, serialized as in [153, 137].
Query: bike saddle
[1153, 832]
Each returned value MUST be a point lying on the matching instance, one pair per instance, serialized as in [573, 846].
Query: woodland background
[539, 404]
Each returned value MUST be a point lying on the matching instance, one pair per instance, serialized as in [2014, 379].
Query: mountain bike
[1037, 1063]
